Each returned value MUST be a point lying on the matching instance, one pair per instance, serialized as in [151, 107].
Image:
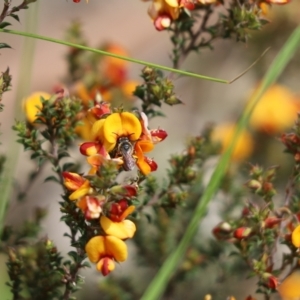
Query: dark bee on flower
[125, 149]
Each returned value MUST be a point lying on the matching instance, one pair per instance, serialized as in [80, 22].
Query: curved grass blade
[141, 62]
[159, 283]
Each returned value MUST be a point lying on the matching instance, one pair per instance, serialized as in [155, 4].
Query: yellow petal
[97, 129]
[275, 111]
[122, 230]
[82, 191]
[296, 237]
[116, 248]
[244, 145]
[121, 124]
[32, 105]
[129, 210]
[289, 288]
[101, 246]
[146, 146]
[95, 248]
[172, 3]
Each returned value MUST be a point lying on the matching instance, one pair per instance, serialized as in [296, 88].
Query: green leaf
[52, 178]
[156, 288]
[4, 24]
[16, 17]
[137, 61]
[3, 45]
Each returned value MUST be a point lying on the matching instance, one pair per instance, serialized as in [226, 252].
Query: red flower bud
[222, 230]
[272, 282]
[242, 232]
[270, 222]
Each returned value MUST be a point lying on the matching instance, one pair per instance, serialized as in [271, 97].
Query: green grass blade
[23, 88]
[159, 283]
[137, 61]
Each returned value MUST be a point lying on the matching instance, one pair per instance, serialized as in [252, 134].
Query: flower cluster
[111, 208]
[120, 138]
[164, 12]
[123, 137]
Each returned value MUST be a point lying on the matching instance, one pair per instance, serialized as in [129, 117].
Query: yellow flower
[289, 288]
[275, 111]
[244, 145]
[32, 105]
[122, 230]
[104, 250]
[76, 183]
[164, 7]
[296, 237]
[124, 124]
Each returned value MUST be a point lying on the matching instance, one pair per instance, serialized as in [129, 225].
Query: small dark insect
[125, 148]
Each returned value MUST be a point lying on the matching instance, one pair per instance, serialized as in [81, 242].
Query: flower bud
[222, 230]
[242, 232]
[270, 222]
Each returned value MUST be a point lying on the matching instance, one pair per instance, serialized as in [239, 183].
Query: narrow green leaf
[16, 17]
[137, 61]
[52, 178]
[4, 24]
[159, 283]
[4, 45]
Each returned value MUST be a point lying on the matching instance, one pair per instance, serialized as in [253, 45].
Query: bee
[125, 148]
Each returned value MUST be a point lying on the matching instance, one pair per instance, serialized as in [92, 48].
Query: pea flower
[108, 131]
[104, 251]
[289, 288]
[77, 184]
[163, 12]
[296, 237]
[123, 230]
[91, 206]
[244, 145]
[276, 110]
[33, 104]
[124, 138]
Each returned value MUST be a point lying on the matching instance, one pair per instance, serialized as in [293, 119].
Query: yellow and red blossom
[163, 12]
[123, 230]
[95, 161]
[72, 181]
[91, 206]
[128, 190]
[114, 126]
[93, 148]
[100, 109]
[78, 184]
[104, 250]
[120, 210]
